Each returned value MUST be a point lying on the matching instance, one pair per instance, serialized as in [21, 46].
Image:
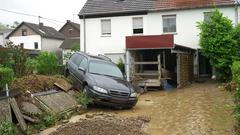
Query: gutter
[236, 12]
[84, 33]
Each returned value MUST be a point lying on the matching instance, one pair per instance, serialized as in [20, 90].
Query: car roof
[96, 57]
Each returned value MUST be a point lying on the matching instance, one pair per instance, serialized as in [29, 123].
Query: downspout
[236, 12]
[84, 33]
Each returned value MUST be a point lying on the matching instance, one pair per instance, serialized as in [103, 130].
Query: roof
[68, 43]
[44, 31]
[73, 24]
[110, 7]
[153, 42]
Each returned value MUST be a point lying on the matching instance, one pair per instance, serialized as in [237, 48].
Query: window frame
[36, 43]
[24, 32]
[106, 34]
[142, 29]
[172, 16]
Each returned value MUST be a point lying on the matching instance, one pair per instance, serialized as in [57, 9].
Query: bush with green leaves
[236, 78]
[218, 44]
[6, 76]
[121, 65]
[8, 128]
[47, 63]
[31, 65]
[84, 99]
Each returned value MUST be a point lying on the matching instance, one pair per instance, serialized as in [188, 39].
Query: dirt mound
[104, 126]
[37, 83]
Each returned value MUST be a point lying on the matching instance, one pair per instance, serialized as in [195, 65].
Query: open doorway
[205, 68]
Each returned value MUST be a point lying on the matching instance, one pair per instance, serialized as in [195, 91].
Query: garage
[156, 61]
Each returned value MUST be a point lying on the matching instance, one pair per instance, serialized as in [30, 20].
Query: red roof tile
[182, 4]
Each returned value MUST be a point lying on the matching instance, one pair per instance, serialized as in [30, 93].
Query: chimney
[68, 21]
[40, 25]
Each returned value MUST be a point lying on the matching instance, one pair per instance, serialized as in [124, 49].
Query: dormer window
[24, 32]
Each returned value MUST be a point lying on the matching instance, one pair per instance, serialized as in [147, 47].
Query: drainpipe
[236, 12]
[84, 33]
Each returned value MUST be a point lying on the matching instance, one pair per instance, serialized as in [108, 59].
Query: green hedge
[6, 76]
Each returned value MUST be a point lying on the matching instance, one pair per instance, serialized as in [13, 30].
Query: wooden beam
[18, 114]
[146, 63]
[147, 74]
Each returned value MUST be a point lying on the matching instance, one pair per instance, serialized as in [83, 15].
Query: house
[3, 35]
[36, 37]
[71, 32]
[152, 35]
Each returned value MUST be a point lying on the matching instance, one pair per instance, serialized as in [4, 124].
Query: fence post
[7, 90]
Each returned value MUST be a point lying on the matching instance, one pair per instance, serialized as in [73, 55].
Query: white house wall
[187, 31]
[51, 45]
[28, 41]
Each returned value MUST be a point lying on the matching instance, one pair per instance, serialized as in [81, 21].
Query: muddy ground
[200, 109]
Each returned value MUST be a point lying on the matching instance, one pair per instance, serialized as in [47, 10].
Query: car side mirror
[82, 69]
[125, 76]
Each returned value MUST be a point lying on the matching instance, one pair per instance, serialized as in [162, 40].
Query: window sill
[172, 33]
[140, 34]
[105, 35]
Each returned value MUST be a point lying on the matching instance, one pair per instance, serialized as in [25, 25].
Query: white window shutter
[137, 23]
[106, 26]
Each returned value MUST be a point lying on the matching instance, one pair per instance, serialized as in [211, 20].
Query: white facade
[51, 45]
[186, 33]
[3, 39]
[28, 41]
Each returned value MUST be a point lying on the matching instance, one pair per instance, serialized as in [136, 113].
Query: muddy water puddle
[200, 109]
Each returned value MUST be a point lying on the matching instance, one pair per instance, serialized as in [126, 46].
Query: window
[106, 27]
[24, 32]
[76, 59]
[84, 63]
[35, 45]
[137, 25]
[22, 45]
[169, 23]
[207, 15]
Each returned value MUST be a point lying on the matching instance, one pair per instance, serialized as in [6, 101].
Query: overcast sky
[60, 10]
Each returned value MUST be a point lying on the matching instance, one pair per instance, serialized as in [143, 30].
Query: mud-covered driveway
[200, 109]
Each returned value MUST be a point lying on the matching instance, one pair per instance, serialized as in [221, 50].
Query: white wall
[51, 45]
[1, 39]
[28, 41]
[187, 32]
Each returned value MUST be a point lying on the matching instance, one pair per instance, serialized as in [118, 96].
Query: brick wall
[186, 69]
[70, 31]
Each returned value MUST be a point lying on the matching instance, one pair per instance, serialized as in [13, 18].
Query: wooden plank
[18, 114]
[147, 74]
[31, 119]
[63, 85]
[146, 63]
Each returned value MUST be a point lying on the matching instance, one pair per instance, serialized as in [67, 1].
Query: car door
[74, 63]
[81, 73]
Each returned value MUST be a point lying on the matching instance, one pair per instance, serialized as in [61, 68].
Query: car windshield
[104, 68]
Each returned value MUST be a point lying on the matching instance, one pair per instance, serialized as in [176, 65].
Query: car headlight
[134, 94]
[101, 90]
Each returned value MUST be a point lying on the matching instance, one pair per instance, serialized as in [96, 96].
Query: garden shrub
[236, 79]
[218, 44]
[6, 76]
[7, 128]
[121, 65]
[47, 63]
[31, 66]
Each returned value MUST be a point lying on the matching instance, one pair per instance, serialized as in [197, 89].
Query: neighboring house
[3, 35]
[36, 37]
[71, 31]
[140, 30]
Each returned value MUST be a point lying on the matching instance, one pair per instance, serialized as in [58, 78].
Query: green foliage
[75, 47]
[31, 66]
[236, 78]
[6, 76]
[121, 65]
[218, 44]
[14, 56]
[47, 63]
[7, 128]
[84, 99]
[47, 120]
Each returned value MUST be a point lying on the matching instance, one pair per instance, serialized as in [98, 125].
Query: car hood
[108, 82]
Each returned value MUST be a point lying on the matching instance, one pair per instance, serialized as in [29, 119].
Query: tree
[3, 26]
[75, 47]
[218, 43]
[15, 24]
